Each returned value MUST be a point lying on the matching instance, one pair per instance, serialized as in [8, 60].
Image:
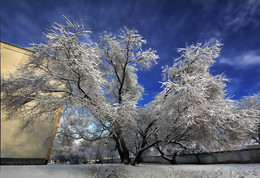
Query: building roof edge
[16, 46]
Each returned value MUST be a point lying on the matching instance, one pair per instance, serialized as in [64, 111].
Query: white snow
[142, 170]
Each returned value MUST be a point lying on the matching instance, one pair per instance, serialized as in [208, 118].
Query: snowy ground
[142, 170]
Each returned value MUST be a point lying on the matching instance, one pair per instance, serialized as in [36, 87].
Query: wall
[240, 156]
[33, 142]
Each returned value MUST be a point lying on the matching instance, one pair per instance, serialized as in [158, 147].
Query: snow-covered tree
[64, 71]
[63, 146]
[73, 144]
[123, 57]
[96, 83]
[193, 110]
[252, 102]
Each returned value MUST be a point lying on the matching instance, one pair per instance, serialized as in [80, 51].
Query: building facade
[31, 145]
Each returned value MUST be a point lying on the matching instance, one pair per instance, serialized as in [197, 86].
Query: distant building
[30, 146]
[93, 160]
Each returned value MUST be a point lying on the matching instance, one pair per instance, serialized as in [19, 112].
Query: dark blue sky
[165, 24]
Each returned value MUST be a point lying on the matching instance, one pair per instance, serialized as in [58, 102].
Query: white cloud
[244, 60]
[238, 15]
[257, 88]
[214, 36]
[233, 86]
[212, 40]
[233, 17]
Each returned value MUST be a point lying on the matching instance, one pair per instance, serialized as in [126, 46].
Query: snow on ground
[142, 170]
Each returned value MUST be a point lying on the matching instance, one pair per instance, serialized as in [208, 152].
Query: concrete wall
[154, 159]
[241, 156]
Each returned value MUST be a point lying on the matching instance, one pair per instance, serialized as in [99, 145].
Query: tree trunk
[197, 156]
[140, 152]
[137, 158]
[121, 147]
[174, 158]
[125, 159]
[171, 160]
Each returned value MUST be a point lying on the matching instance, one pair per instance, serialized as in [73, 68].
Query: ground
[142, 170]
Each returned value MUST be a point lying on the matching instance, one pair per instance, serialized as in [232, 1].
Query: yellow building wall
[33, 142]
